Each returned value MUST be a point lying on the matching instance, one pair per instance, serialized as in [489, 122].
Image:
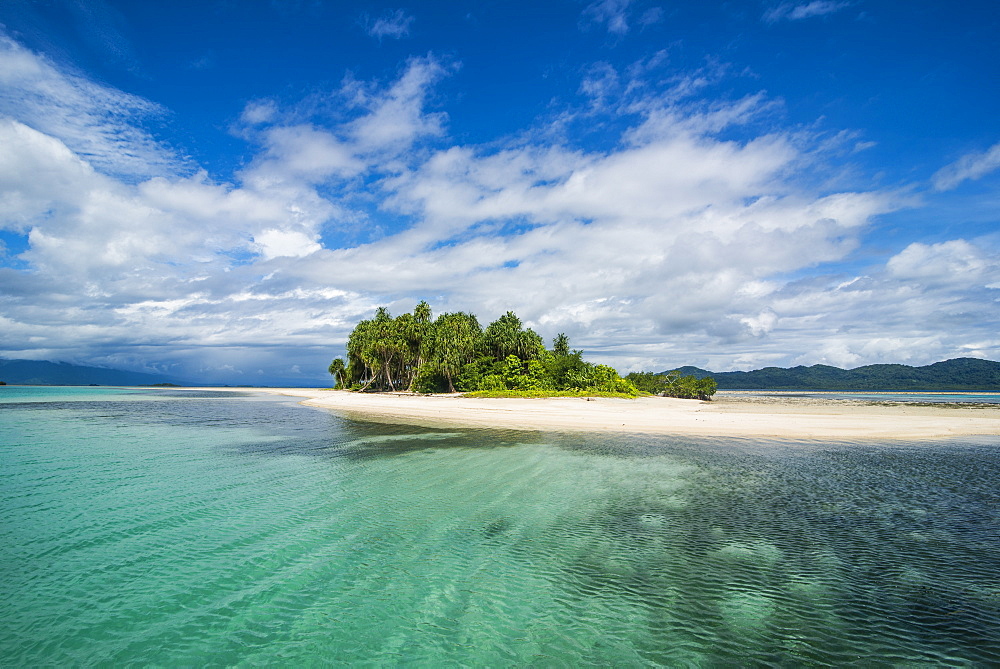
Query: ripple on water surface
[165, 529]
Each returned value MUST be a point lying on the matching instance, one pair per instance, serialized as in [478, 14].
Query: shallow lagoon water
[181, 528]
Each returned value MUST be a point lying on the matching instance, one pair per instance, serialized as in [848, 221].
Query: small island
[453, 353]
[449, 371]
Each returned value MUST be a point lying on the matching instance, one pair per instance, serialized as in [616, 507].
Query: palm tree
[456, 339]
[560, 345]
[359, 359]
[501, 336]
[422, 313]
[387, 347]
[418, 335]
[506, 336]
[337, 369]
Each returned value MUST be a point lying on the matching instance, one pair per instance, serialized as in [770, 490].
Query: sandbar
[728, 415]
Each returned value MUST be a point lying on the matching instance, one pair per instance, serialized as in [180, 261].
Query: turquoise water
[181, 528]
[926, 398]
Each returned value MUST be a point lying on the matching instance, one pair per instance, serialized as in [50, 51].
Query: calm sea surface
[182, 528]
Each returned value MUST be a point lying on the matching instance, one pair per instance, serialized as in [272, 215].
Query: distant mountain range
[44, 373]
[956, 374]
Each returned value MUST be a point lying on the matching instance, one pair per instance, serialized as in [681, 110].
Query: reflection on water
[161, 529]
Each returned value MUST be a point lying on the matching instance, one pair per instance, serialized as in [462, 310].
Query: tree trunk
[371, 379]
[413, 373]
[387, 366]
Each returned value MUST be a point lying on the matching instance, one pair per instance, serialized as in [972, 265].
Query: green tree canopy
[453, 352]
[457, 338]
[672, 384]
[337, 369]
[506, 336]
[560, 345]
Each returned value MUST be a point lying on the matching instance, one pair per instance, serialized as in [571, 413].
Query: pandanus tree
[375, 351]
[337, 369]
[506, 336]
[567, 368]
[412, 351]
[387, 347]
[359, 359]
[560, 345]
[418, 334]
[457, 339]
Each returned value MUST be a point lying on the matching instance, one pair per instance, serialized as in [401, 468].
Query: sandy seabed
[728, 415]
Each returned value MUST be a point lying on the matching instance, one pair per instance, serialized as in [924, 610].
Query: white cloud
[677, 244]
[302, 153]
[24, 197]
[970, 166]
[285, 243]
[389, 121]
[926, 303]
[396, 117]
[600, 82]
[954, 262]
[394, 23]
[108, 258]
[674, 236]
[791, 11]
[762, 323]
[259, 111]
[613, 13]
[651, 16]
[98, 123]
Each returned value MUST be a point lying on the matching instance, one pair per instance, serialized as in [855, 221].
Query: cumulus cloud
[109, 257]
[396, 117]
[302, 153]
[791, 11]
[285, 243]
[388, 121]
[673, 234]
[927, 303]
[970, 166]
[955, 262]
[676, 244]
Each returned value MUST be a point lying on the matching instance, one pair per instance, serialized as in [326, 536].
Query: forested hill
[956, 374]
[42, 372]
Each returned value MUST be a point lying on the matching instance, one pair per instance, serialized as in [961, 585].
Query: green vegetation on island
[416, 353]
[957, 374]
[673, 384]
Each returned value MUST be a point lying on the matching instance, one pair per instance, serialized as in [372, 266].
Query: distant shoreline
[739, 414]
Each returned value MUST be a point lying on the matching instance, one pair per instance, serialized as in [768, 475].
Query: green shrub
[492, 382]
[548, 393]
[430, 379]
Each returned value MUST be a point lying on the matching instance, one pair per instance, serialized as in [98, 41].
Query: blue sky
[220, 190]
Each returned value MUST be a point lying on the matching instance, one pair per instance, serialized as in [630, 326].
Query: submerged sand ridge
[736, 415]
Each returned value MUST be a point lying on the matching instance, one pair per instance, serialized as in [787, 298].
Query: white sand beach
[729, 415]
